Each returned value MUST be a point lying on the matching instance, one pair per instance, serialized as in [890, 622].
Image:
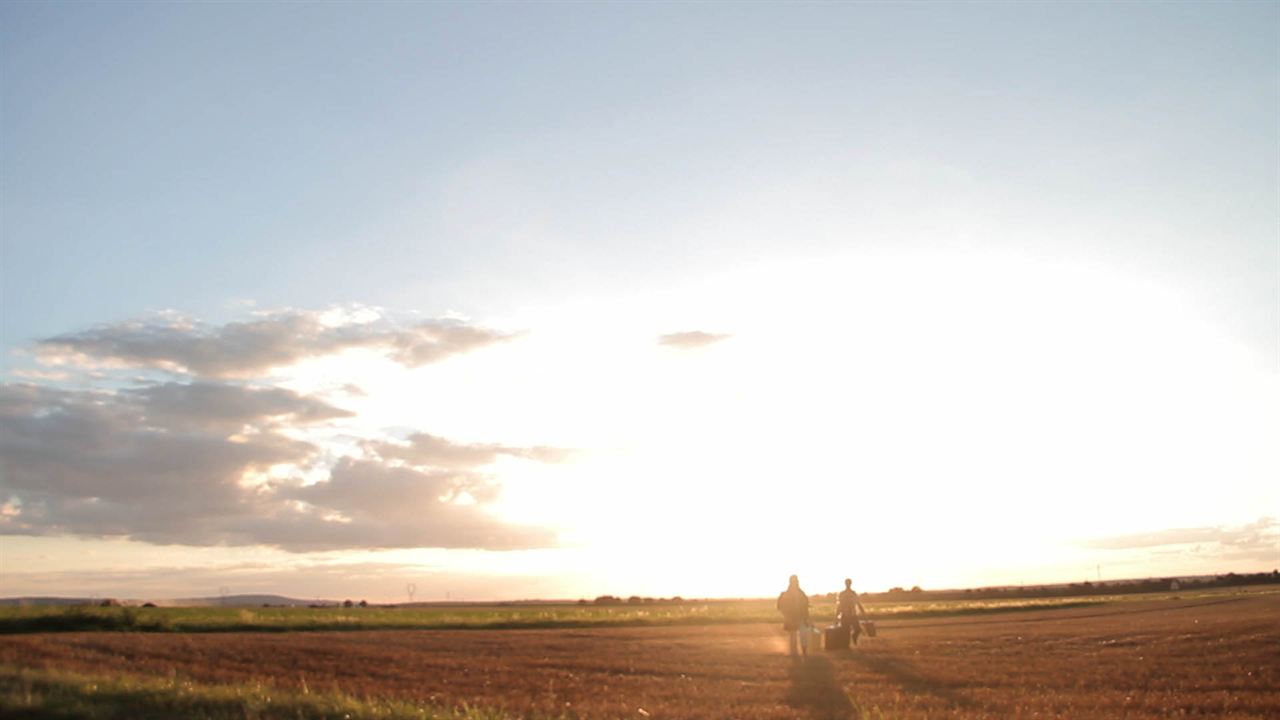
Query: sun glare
[893, 390]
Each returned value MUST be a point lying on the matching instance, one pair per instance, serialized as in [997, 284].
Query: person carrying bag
[794, 606]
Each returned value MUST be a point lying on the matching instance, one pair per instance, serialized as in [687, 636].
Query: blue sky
[179, 156]
[557, 171]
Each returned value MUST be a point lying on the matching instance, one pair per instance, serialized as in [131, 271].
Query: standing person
[848, 609]
[794, 606]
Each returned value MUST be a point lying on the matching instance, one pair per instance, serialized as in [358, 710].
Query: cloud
[220, 464]
[247, 349]
[213, 406]
[89, 463]
[384, 506]
[423, 450]
[1258, 540]
[1248, 534]
[691, 339]
[299, 577]
[34, 374]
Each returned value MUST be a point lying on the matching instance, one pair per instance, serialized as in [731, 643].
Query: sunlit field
[506, 360]
[285, 619]
[226, 619]
[1146, 656]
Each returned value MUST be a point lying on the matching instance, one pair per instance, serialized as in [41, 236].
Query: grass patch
[504, 617]
[82, 618]
[130, 619]
[29, 694]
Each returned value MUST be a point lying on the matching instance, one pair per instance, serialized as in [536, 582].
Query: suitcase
[835, 638]
[869, 627]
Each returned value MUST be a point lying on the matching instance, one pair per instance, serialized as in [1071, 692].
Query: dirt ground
[1160, 659]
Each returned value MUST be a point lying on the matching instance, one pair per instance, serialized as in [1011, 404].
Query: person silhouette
[848, 609]
[794, 606]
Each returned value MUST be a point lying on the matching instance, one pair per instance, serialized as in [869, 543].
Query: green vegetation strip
[27, 694]
[279, 619]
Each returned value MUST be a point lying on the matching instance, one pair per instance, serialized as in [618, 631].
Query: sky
[535, 300]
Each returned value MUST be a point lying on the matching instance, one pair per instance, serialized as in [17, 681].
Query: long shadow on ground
[814, 689]
[906, 674]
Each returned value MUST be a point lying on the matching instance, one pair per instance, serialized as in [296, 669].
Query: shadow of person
[906, 675]
[814, 689]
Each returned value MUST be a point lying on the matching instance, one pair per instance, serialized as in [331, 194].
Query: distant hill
[897, 594]
[242, 601]
[44, 601]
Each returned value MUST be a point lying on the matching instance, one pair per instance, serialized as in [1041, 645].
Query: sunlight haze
[561, 300]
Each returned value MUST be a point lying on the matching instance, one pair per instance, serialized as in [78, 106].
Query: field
[511, 616]
[1210, 655]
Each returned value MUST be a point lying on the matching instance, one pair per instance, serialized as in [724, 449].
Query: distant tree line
[634, 600]
[1110, 587]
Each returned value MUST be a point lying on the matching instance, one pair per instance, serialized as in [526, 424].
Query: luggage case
[869, 627]
[836, 638]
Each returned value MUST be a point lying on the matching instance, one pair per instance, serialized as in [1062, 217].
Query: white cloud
[691, 339]
[251, 348]
[1258, 541]
[157, 464]
[215, 461]
[424, 450]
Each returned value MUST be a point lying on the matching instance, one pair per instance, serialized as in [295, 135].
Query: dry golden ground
[1202, 658]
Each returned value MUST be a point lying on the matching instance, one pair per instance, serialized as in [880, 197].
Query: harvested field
[1205, 657]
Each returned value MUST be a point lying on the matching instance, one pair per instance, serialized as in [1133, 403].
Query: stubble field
[1198, 657]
